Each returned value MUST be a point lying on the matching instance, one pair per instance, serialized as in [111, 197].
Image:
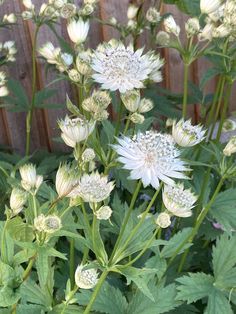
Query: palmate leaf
[194, 287]
[110, 300]
[19, 230]
[218, 304]
[8, 296]
[164, 300]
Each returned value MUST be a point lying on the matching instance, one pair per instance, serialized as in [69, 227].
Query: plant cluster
[140, 216]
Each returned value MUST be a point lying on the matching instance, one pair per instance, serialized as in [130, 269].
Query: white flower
[151, 157]
[93, 188]
[10, 18]
[88, 155]
[86, 278]
[131, 100]
[192, 26]
[28, 4]
[171, 26]
[66, 179]
[132, 11]
[221, 31]
[27, 15]
[17, 200]
[207, 32]
[137, 118]
[186, 135]
[39, 223]
[30, 179]
[49, 52]
[163, 220]
[48, 224]
[153, 16]
[156, 64]
[230, 148]
[103, 213]
[74, 75]
[78, 30]
[2, 78]
[58, 3]
[68, 10]
[209, 6]
[178, 201]
[120, 68]
[3, 91]
[75, 130]
[145, 105]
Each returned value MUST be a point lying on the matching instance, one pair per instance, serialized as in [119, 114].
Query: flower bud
[68, 11]
[39, 223]
[230, 148]
[66, 179]
[137, 118]
[27, 15]
[30, 179]
[207, 32]
[74, 75]
[163, 220]
[11, 18]
[78, 30]
[229, 125]
[88, 155]
[221, 31]
[17, 200]
[163, 38]
[58, 4]
[209, 6]
[171, 26]
[28, 4]
[192, 27]
[87, 10]
[153, 16]
[86, 278]
[103, 213]
[52, 223]
[113, 20]
[145, 105]
[132, 11]
[131, 100]
[3, 91]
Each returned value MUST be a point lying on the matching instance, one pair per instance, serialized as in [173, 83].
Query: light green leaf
[32, 293]
[218, 304]
[19, 230]
[8, 297]
[70, 309]
[71, 107]
[42, 265]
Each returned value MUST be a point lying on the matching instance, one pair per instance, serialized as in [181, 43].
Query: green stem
[126, 126]
[134, 231]
[34, 81]
[4, 256]
[72, 262]
[223, 114]
[199, 221]
[216, 95]
[71, 295]
[134, 197]
[35, 206]
[185, 96]
[96, 291]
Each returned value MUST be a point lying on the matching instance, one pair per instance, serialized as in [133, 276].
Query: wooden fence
[12, 125]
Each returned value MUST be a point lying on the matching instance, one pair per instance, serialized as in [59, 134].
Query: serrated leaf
[29, 309]
[19, 230]
[218, 304]
[8, 296]
[70, 309]
[32, 293]
[208, 75]
[174, 242]
[110, 300]
[194, 287]
[42, 265]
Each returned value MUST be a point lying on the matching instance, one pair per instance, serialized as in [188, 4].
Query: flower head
[88, 155]
[230, 148]
[17, 200]
[192, 26]
[78, 30]
[209, 6]
[30, 179]
[93, 188]
[86, 278]
[119, 68]
[103, 213]
[163, 220]
[187, 135]
[178, 201]
[151, 157]
[153, 16]
[171, 26]
[75, 130]
[48, 224]
[66, 179]
[132, 11]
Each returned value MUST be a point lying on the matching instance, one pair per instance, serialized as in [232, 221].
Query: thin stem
[34, 81]
[223, 114]
[71, 295]
[134, 197]
[212, 110]
[35, 206]
[96, 291]
[72, 262]
[199, 221]
[185, 96]
[4, 256]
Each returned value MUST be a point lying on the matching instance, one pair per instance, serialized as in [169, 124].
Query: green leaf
[174, 242]
[70, 309]
[218, 304]
[19, 102]
[158, 264]
[8, 297]
[71, 107]
[110, 300]
[223, 209]
[140, 277]
[43, 95]
[32, 293]
[223, 256]
[19, 230]
[208, 75]
[164, 300]
[29, 309]
[42, 265]
[194, 287]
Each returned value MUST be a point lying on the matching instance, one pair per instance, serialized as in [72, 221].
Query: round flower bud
[58, 3]
[113, 20]
[230, 148]
[74, 75]
[68, 10]
[86, 278]
[153, 16]
[132, 11]
[103, 213]
[11, 18]
[229, 125]
[18, 199]
[88, 155]
[87, 10]
[101, 98]
[145, 105]
[52, 223]
[192, 26]
[131, 100]
[137, 118]
[163, 220]
[163, 39]
[39, 224]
